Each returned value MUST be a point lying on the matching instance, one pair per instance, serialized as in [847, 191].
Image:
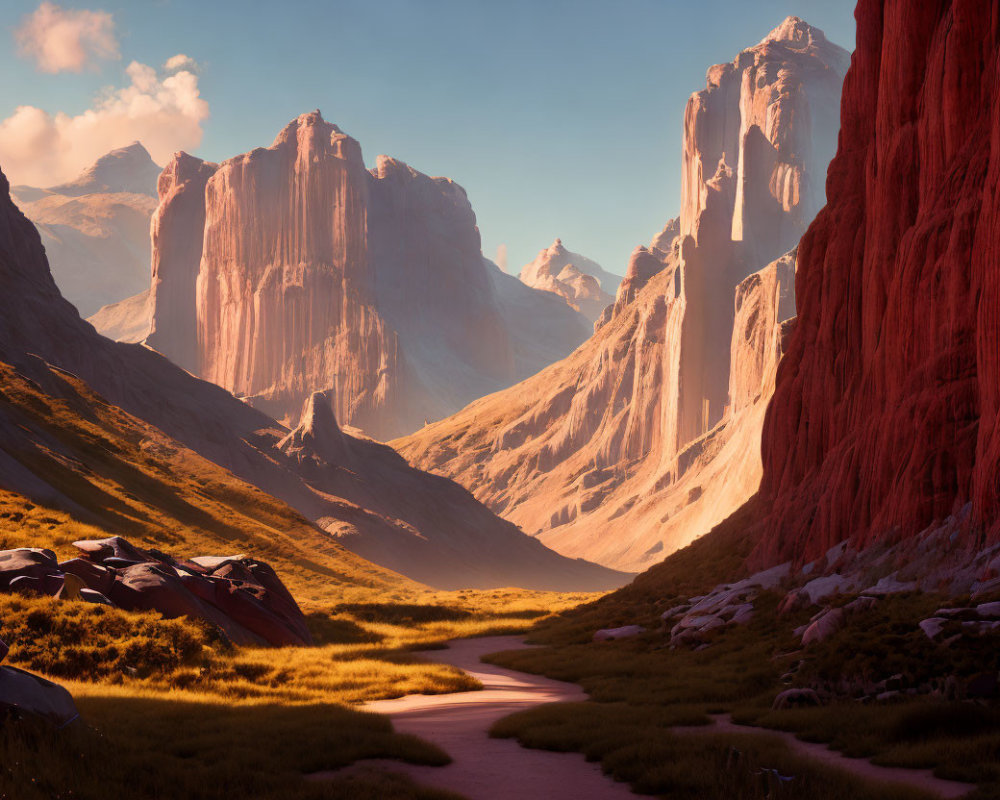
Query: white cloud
[163, 110]
[180, 62]
[60, 39]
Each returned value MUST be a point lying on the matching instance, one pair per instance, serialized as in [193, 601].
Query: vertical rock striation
[176, 230]
[648, 434]
[757, 140]
[293, 269]
[885, 416]
[63, 387]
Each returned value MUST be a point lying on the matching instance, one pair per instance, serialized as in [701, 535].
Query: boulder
[932, 627]
[28, 562]
[824, 625]
[821, 588]
[114, 547]
[95, 576]
[624, 632]
[796, 698]
[22, 692]
[989, 610]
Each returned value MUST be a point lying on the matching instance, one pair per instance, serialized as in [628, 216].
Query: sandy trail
[500, 769]
[916, 778]
[485, 768]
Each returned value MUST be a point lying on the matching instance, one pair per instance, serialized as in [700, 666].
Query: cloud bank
[66, 40]
[162, 109]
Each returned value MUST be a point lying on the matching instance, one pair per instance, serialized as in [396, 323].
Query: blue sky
[560, 118]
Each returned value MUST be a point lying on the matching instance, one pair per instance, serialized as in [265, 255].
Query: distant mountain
[369, 283]
[95, 229]
[584, 284]
[648, 434]
[118, 437]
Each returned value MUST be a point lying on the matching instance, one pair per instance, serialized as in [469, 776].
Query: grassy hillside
[120, 476]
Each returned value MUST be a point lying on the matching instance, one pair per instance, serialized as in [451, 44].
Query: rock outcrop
[603, 455]
[96, 228]
[885, 415]
[583, 283]
[156, 444]
[371, 284]
[244, 598]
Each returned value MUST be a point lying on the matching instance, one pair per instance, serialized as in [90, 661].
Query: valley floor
[485, 768]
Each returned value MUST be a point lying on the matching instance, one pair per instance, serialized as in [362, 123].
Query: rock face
[371, 284]
[756, 143]
[603, 455]
[542, 328]
[244, 598]
[584, 284]
[885, 415]
[156, 422]
[96, 228]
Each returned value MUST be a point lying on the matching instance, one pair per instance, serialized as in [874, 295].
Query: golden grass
[128, 478]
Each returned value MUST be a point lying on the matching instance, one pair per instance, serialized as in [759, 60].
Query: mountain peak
[124, 169]
[795, 31]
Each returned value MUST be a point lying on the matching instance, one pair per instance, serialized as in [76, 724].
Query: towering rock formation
[584, 284]
[140, 453]
[886, 412]
[648, 434]
[756, 143]
[96, 228]
[293, 269]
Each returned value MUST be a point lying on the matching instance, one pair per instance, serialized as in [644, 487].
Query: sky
[560, 118]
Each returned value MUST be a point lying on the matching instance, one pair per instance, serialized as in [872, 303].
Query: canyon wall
[293, 269]
[648, 434]
[153, 422]
[885, 416]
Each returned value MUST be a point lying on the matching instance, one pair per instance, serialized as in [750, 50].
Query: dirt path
[500, 769]
[485, 768]
[916, 778]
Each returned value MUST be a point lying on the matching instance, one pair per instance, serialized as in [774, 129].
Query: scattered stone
[823, 626]
[242, 597]
[624, 632]
[932, 627]
[821, 588]
[989, 610]
[796, 698]
[22, 692]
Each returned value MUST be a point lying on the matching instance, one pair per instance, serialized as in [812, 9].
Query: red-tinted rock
[886, 414]
[26, 562]
[22, 692]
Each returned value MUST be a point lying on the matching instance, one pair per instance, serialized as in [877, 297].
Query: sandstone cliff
[583, 283]
[885, 415]
[96, 228]
[293, 269]
[115, 433]
[648, 434]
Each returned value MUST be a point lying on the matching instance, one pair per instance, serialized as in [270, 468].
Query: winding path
[500, 769]
[483, 768]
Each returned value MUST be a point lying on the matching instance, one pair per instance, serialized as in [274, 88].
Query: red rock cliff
[885, 415]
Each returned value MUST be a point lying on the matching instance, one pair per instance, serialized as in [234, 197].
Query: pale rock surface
[584, 284]
[648, 435]
[369, 283]
[95, 229]
[357, 490]
[127, 320]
